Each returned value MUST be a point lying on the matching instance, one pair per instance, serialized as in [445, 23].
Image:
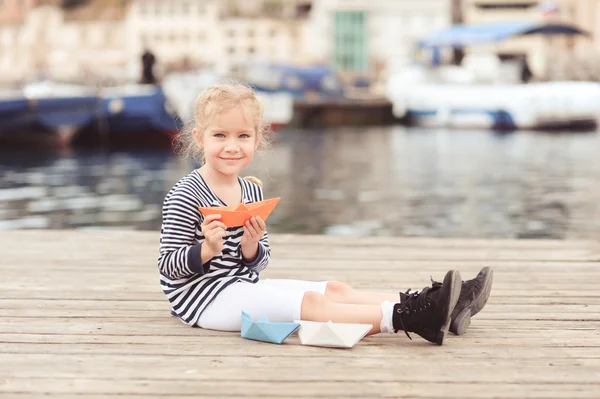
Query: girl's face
[228, 142]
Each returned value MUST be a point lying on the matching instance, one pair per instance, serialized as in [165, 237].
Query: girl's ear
[197, 137]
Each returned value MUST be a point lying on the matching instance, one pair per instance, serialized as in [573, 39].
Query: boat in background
[50, 112]
[483, 93]
[138, 114]
[37, 113]
[298, 81]
[544, 105]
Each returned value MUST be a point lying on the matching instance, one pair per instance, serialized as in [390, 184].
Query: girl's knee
[314, 299]
[338, 290]
[312, 303]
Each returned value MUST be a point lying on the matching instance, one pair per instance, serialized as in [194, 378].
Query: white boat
[484, 94]
[331, 335]
[496, 106]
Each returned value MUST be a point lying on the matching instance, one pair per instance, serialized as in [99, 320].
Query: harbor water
[392, 181]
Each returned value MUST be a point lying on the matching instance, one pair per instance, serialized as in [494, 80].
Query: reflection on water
[367, 181]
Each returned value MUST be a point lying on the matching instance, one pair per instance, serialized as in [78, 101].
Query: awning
[466, 35]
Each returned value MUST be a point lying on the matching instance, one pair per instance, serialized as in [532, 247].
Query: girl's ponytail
[254, 180]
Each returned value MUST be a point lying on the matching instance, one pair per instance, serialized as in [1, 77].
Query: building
[88, 44]
[213, 33]
[532, 48]
[586, 15]
[14, 11]
[263, 30]
[103, 40]
[84, 44]
[255, 39]
[548, 57]
[13, 59]
[361, 37]
[181, 33]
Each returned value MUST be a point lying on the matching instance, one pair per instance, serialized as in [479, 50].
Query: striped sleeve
[264, 251]
[262, 258]
[179, 255]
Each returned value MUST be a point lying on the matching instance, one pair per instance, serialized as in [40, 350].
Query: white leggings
[277, 299]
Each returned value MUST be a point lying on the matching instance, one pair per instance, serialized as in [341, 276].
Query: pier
[368, 110]
[82, 316]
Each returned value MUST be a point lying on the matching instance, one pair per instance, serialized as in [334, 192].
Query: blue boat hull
[484, 118]
[87, 119]
[138, 113]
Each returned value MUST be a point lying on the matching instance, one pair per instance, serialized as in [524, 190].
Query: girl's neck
[216, 179]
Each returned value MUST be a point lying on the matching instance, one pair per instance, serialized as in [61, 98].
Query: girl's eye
[244, 136]
[219, 135]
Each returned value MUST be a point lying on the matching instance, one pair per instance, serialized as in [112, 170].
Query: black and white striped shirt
[189, 285]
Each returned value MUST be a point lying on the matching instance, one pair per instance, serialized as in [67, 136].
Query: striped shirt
[189, 285]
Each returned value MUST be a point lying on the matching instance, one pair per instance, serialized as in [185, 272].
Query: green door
[350, 47]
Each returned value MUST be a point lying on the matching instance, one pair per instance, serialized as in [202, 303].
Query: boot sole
[455, 286]
[461, 322]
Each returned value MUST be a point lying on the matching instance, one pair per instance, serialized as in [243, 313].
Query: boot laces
[415, 302]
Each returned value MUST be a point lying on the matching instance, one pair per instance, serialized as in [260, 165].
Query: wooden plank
[64, 308]
[176, 369]
[231, 347]
[173, 326]
[348, 254]
[307, 248]
[150, 238]
[264, 387]
[53, 316]
[195, 335]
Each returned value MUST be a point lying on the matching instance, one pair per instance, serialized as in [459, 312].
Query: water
[365, 181]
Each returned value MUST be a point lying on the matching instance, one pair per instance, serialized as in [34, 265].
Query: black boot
[473, 297]
[427, 313]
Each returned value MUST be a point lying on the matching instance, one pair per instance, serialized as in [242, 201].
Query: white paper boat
[333, 335]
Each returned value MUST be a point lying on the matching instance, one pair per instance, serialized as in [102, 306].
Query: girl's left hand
[254, 230]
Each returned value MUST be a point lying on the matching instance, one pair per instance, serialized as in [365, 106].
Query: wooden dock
[82, 316]
[369, 110]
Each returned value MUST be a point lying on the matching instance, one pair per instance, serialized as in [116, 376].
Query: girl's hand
[214, 233]
[254, 230]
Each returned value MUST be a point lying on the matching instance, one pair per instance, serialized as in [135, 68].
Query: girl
[210, 273]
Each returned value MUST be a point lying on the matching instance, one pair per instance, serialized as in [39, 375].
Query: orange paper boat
[234, 216]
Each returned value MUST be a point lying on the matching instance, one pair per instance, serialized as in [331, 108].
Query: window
[350, 50]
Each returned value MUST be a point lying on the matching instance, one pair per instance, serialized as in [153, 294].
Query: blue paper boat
[263, 330]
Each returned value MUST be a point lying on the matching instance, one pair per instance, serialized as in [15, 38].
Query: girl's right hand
[214, 233]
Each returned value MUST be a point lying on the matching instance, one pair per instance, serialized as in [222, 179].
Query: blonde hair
[214, 100]
[254, 180]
